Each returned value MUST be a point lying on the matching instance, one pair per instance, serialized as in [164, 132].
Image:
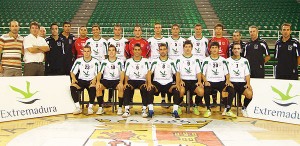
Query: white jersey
[188, 67]
[87, 69]
[214, 69]
[238, 69]
[137, 70]
[199, 47]
[175, 47]
[154, 46]
[120, 45]
[111, 70]
[163, 70]
[99, 48]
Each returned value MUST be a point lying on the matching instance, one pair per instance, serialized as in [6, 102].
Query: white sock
[144, 107]
[150, 107]
[127, 108]
[175, 107]
[90, 105]
[163, 98]
[77, 105]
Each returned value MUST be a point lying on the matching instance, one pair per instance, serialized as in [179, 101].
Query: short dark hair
[52, 24]
[66, 22]
[13, 21]
[187, 42]
[236, 43]
[87, 46]
[117, 25]
[112, 46]
[163, 45]
[82, 26]
[175, 25]
[137, 25]
[96, 25]
[35, 24]
[286, 24]
[219, 25]
[215, 44]
[137, 45]
[198, 24]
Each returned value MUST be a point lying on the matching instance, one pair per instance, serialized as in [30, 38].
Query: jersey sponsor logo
[96, 52]
[86, 74]
[198, 50]
[163, 74]
[188, 70]
[215, 72]
[137, 74]
[237, 72]
[112, 74]
[175, 51]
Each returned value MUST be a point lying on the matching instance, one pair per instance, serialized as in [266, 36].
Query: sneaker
[196, 111]
[244, 113]
[150, 114]
[126, 114]
[176, 115]
[207, 114]
[179, 111]
[90, 111]
[77, 111]
[224, 112]
[230, 114]
[100, 111]
[144, 113]
[119, 112]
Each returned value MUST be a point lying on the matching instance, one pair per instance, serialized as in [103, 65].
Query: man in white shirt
[34, 49]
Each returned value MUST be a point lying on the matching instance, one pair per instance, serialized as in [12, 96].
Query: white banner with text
[34, 96]
[276, 100]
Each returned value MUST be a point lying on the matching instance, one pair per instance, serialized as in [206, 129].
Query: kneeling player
[163, 69]
[113, 75]
[239, 71]
[214, 69]
[88, 69]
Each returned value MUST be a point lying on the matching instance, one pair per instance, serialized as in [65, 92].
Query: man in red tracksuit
[146, 52]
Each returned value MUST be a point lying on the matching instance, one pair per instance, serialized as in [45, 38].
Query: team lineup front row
[162, 75]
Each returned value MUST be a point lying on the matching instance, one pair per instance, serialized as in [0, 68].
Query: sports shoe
[207, 114]
[179, 111]
[230, 114]
[100, 111]
[244, 113]
[77, 111]
[144, 113]
[119, 112]
[224, 112]
[176, 115]
[126, 114]
[196, 111]
[150, 114]
[90, 111]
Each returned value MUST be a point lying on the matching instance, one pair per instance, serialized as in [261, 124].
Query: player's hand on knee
[248, 86]
[228, 83]
[149, 86]
[120, 86]
[74, 81]
[199, 84]
[206, 83]
[182, 83]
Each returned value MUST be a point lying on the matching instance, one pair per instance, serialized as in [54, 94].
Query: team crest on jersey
[112, 66]
[255, 46]
[58, 43]
[117, 44]
[290, 47]
[87, 66]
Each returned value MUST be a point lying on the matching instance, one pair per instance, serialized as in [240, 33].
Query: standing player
[97, 43]
[119, 42]
[215, 69]
[163, 69]
[255, 50]
[287, 52]
[190, 73]
[88, 68]
[146, 52]
[80, 42]
[156, 41]
[239, 71]
[136, 69]
[113, 76]
[175, 43]
[236, 37]
[223, 50]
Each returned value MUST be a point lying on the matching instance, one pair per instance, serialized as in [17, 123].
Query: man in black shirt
[255, 50]
[287, 52]
[236, 37]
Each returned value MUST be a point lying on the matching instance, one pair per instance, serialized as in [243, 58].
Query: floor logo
[27, 95]
[284, 99]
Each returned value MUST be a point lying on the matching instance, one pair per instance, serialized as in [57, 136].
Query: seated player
[214, 70]
[88, 68]
[113, 76]
[163, 69]
[239, 71]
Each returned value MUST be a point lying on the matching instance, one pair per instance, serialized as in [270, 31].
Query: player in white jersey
[113, 76]
[118, 41]
[189, 68]
[155, 41]
[239, 71]
[200, 43]
[163, 69]
[215, 69]
[136, 69]
[175, 43]
[88, 68]
[97, 43]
